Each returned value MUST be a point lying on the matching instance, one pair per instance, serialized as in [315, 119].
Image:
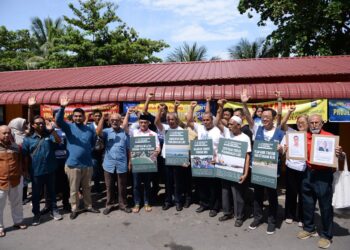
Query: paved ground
[185, 230]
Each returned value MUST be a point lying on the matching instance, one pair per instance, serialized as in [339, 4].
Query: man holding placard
[145, 148]
[175, 152]
[317, 184]
[238, 166]
[209, 188]
[268, 139]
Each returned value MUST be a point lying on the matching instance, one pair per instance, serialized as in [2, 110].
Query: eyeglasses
[39, 123]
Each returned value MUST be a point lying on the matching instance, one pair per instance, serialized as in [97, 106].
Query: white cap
[236, 119]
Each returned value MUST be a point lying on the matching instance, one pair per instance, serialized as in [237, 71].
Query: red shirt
[309, 143]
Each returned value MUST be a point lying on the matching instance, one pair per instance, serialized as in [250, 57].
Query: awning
[261, 91]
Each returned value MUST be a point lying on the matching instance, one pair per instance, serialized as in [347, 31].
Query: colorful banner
[264, 165]
[143, 159]
[46, 110]
[231, 159]
[182, 109]
[339, 110]
[302, 107]
[177, 148]
[201, 157]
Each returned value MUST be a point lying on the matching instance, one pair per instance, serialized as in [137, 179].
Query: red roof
[303, 77]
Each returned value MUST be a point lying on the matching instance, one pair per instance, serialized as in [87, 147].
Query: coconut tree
[257, 49]
[187, 53]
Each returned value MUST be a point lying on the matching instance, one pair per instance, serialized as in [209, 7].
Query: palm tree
[187, 53]
[257, 49]
[46, 33]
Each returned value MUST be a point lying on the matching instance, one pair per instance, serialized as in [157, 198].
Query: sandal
[2, 233]
[136, 209]
[148, 208]
[20, 226]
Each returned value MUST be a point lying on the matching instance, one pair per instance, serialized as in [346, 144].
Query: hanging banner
[143, 158]
[181, 111]
[177, 148]
[202, 155]
[302, 107]
[231, 159]
[46, 110]
[339, 110]
[264, 165]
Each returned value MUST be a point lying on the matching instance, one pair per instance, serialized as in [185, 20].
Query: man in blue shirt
[39, 145]
[115, 163]
[80, 143]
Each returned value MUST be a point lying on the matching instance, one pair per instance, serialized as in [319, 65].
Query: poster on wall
[182, 109]
[302, 107]
[46, 109]
[339, 110]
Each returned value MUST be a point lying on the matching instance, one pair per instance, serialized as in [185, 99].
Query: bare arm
[207, 104]
[285, 119]
[50, 128]
[148, 99]
[189, 117]
[219, 112]
[87, 116]
[157, 121]
[99, 129]
[31, 103]
[244, 99]
[125, 124]
[279, 107]
[176, 107]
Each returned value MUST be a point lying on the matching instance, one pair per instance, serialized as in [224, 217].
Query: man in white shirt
[209, 188]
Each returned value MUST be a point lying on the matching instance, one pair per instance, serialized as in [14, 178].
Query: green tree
[88, 40]
[310, 27]
[15, 48]
[257, 49]
[187, 53]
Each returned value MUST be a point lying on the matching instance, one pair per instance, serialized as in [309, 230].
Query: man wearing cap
[138, 178]
[209, 188]
[236, 189]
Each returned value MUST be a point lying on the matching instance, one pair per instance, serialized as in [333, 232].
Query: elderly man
[209, 188]
[10, 178]
[80, 143]
[115, 163]
[317, 186]
[265, 132]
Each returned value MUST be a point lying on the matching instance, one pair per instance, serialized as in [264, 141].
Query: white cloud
[198, 33]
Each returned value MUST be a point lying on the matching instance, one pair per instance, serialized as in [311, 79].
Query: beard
[315, 131]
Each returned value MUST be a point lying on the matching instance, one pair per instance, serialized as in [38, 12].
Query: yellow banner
[308, 107]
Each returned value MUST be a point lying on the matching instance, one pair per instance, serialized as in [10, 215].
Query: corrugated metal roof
[317, 69]
[262, 91]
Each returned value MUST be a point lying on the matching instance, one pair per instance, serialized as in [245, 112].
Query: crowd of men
[63, 157]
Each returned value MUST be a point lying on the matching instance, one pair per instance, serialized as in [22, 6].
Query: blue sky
[216, 24]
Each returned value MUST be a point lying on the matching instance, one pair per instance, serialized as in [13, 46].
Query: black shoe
[25, 201]
[36, 220]
[92, 210]
[187, 204]
[254, 224]
[166, 206]
[226, 217]
[238, 223]
[107, 210]
[271, 228]
[178, 207]
[45, 210]
[201, 209]
[67, 208]
[126, 210]
[73, 215]
[213, 213]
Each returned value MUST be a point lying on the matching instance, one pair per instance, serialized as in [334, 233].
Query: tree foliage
[257, 49]
[187, 53]
[308, 27]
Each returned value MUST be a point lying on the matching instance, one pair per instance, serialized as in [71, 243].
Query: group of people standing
[61, 156]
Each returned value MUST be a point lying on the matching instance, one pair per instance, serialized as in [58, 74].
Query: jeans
[37, 184]
[317, 186]
[138, 178]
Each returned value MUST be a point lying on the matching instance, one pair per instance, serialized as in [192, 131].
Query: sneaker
[254, 224]
[56, 215]
[73, 215]
[238, 223]
[36, 220]
[45, 210]
[324, 243]
[289, 221]
[305, 234]
[300, 224]
[271, 228]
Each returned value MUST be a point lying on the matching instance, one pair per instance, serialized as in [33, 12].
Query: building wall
[13, 111]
